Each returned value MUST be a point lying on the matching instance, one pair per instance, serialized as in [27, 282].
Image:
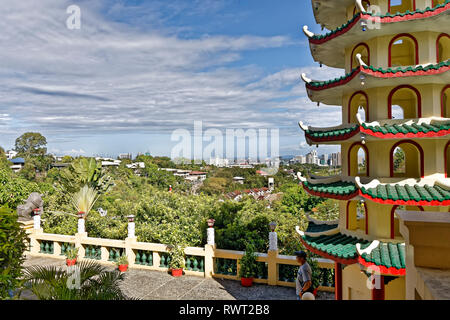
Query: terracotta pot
[123, 267]
[246, 282]
[177, 272]
[71, 262]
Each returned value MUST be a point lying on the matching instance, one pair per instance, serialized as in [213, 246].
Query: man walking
[303, 283]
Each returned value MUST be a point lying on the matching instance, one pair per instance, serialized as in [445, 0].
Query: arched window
[395, 6]
[443, 47]
[395, 229]
[358, 103]
[366, 5]
[358, 160]
[445, 102]
[403, 51]
[364, 51]
[408, 99]
[406, 160]
[357, 216]
[447, 159]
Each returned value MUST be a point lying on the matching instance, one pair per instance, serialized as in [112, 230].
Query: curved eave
[331, 14]
[391, 271]
[331, 93]
[432, 203]
[394, 193]
[327, 255]
[324, 49]
[370, 133]
[329, 195]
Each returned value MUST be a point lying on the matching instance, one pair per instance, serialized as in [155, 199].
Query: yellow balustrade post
[104, 254]
[156, 259]
[34, 243]
[209, 260]
[56, 248]
[272, 268]
[209, 249]
[272, 256]
[130, 240]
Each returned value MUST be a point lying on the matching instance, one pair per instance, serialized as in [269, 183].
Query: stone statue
[34, 201]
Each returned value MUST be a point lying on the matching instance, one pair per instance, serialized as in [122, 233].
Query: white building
[219, 162]
[11, 154]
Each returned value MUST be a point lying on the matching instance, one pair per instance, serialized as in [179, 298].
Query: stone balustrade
[207, 261]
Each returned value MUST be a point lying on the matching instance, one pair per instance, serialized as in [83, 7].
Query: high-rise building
[393, 227]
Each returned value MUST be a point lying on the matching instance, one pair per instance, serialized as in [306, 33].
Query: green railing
[195, 263]
[47, 247]
[144, 258]
[93, 252]
[226, 266]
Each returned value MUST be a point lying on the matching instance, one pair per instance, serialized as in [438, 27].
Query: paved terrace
[155, 285]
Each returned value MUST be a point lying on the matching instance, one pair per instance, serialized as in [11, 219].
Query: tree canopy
[31, 144]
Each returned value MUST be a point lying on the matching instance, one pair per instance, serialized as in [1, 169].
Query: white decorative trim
[372, 184]
[360, 6]
[418, 121]
[320, 222]
[361, 63]
[323, 233]
[443, 183]
[369, 249]
[358, 117]
[308, 33]
[303, 126]
[300, 177]
[300, 232]
[305, 79]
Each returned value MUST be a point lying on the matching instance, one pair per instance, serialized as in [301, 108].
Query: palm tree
[85, 199]
[57, 283]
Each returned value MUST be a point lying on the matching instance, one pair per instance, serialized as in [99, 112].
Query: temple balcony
[329, 49]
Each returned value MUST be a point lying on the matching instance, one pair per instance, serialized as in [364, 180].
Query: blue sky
[138, 70]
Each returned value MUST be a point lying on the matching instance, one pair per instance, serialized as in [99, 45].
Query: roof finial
[360, 6]
[308, 33]
[303, 126]
[306, 79]
[361, 63]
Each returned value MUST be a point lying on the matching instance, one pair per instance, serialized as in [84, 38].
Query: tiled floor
[155, 285]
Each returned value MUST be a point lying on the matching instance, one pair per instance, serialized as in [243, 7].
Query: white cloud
[110, 77]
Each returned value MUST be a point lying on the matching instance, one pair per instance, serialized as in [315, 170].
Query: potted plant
[248, 266]
[122, 263]
[176, 265]
[71, 256]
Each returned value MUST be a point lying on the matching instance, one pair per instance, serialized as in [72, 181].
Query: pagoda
[394, 139]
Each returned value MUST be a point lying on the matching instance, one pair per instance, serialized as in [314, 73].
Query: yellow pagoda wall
[379, 48]
[395, 289]
[354, 284]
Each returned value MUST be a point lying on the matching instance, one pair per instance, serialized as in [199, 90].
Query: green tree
[399, 160]
[12, 247]
[31, 144]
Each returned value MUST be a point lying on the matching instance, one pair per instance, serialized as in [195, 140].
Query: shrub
[247, 264]
[12, 247]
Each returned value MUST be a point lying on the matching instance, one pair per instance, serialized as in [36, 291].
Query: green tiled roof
[387, 15]
[338, 188]
[337, 245]
[316, 228]
[331, 133]
[389, 255]
[410, 68]
[407, 193]
[405, 129]
[436, 66]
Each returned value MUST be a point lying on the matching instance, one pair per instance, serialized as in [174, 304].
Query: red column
[378, 293]
[337, 281]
